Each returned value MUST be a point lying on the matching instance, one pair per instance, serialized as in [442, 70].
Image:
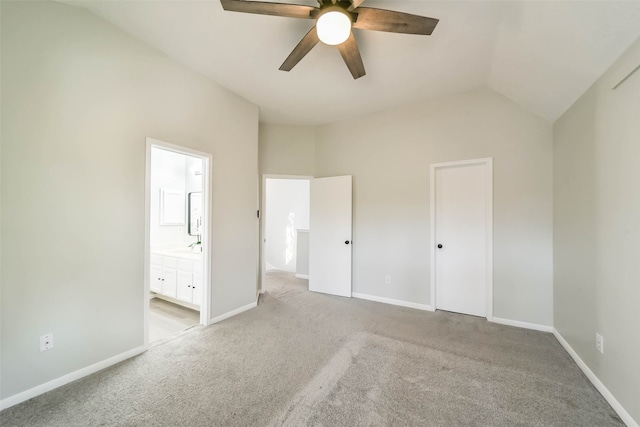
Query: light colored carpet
[306, 359]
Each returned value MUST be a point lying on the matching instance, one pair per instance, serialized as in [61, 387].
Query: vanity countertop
[185, 253]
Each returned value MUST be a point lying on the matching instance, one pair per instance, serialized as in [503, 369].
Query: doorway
[285, 232]
[462, 237]
[324, 252]
[177, 291]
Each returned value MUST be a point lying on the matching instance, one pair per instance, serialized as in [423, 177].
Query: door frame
[488, 163]
[207, 161]
[263, 220]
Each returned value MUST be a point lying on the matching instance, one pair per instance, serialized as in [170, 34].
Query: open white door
[330, 236]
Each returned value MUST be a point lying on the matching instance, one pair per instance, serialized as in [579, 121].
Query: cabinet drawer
[185, 265]
[156, 259]
[170, 262]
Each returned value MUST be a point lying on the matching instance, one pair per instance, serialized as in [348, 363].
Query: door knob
[439, 246]
[346, 242]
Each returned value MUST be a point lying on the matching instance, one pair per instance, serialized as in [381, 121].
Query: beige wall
[287, 150]
[284, 150]
[1, 186]
[597, 229]
[389, 155]
[79, 97]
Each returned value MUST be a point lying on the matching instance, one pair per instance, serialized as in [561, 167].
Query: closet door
[462, 237]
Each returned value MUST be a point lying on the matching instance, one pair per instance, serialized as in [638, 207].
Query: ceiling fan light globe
[333, 27]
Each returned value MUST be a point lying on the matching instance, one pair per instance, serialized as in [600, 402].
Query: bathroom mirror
[194, 208]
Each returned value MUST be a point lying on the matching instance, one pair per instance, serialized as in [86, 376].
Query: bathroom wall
[176, 172]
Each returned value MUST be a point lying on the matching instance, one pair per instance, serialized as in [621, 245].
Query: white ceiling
[541, 54]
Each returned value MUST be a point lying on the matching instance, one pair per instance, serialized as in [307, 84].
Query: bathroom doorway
[177, 291]
[285, 233]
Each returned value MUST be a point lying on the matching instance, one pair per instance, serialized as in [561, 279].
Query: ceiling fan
[334, 21]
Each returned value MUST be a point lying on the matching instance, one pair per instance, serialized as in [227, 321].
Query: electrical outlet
[46, 342]
[599, 343]
[387, 279]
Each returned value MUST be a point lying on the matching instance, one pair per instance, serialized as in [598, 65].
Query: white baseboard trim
[393, 301]
[233, 312]
[70, 377]
[622, 413]
[302, 276]
[519, 324]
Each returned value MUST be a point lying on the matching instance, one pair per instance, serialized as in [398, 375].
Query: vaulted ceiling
[541, 54]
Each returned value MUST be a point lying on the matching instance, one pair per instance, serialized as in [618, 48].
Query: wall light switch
[387, 279]
[46, 342]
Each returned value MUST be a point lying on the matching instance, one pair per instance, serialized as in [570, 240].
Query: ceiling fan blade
[306, 44]
[354, 4]
[351, 55]
[268, 8]
[393, 22]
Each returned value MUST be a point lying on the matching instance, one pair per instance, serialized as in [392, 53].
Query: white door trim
[207, 161]
[263, 216]
[489, 227]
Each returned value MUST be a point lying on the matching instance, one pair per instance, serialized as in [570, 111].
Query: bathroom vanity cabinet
[177, 276]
